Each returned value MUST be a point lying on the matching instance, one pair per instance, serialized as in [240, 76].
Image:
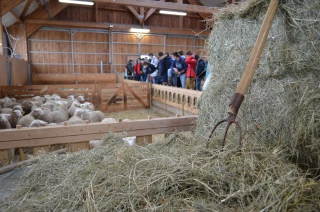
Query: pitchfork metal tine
[215, 127]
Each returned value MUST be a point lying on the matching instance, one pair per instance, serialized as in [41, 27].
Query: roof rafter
[203, 16]
[7, 5]
[25, 9]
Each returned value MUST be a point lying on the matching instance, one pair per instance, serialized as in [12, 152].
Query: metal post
[72, 52]
[101, 67]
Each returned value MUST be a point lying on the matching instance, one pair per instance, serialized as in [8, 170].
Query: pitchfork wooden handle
[257, 49]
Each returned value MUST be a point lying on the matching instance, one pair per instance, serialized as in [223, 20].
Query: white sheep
[76, 118]
[73, 108]
[38, 98]
[4, 121]
[25, 121]
[40, 123]
[6, 110]
[29, 105]
[93, 116]
[59, 116]
[18, 107]
[109, 120]
[130, 140]
[87, 106]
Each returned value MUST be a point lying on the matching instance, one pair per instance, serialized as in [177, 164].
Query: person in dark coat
[164, 65]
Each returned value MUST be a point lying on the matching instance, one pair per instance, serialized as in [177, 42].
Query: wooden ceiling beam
[41, 13]
[116, 27]
[7, 5]
[162, 5]
[15, 15]
[72, 24]
[134, 12]
[151, 11]
[203, 15]
[25, 9]
[142, 13]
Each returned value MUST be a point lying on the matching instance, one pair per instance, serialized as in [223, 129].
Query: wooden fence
[76, 137]
[53, 79]
[182, 99]
[109, 97]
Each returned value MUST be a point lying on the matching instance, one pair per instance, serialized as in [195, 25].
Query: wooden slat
[136, 96]
[93, 128]
[92, 136]
[25, 9]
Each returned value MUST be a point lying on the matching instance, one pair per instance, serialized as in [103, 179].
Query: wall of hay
[282, 105]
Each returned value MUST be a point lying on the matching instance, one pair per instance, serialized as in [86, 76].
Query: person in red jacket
[191, 73]
[137, 70]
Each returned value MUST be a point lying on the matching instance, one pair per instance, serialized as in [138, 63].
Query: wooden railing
[53, 79]
[76, 137]
[180, 98]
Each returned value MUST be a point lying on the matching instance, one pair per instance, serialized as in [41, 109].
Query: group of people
[175, 70]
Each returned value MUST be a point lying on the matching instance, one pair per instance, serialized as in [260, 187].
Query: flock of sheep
[51, 110]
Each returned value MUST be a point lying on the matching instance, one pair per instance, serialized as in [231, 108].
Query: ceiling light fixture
[77, 2]
[169, 12]
[139, 30]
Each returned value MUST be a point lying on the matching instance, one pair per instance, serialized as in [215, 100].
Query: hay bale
[282, 105]
[181, 173]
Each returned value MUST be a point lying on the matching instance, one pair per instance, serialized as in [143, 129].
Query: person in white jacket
[208, 76]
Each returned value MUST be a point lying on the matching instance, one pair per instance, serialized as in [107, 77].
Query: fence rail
[77, 137]
[180, 98]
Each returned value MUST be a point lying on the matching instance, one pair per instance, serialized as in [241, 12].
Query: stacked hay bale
[282, 105]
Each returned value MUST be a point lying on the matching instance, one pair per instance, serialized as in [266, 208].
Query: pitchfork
[248, 74]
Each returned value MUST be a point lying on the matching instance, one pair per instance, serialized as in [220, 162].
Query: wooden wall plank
[19, 72]
[3, 71]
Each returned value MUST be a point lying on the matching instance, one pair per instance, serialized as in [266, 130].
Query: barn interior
[126, 145]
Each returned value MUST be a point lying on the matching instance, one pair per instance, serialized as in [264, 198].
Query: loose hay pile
[282, 106]
[179, 174]
[280, 118]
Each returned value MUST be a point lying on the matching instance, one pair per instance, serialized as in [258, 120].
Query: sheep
[16, 115]
[76, 118]
[4, 121]
[25, 121]
[6, 110]
[109, 120]
[87, 106]
[29, 105]
[10, 103]
[72, 99]
[18, 107]
[93, 116]
[130, 140]
[73, 108]
[38, 98]
[59, 116]
[40, 123]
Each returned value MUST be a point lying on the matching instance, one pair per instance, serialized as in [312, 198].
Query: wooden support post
[74, 147]
[22, 155]
[141, 140]
[96, 11]
[148, 95]
[4, 157]
[124, 93]
[1, 37]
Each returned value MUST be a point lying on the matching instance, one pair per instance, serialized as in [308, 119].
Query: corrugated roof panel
[8, 19]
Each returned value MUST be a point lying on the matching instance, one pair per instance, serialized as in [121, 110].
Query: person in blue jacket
[179, 67]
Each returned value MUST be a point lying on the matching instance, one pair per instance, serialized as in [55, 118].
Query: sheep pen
[277, 168]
